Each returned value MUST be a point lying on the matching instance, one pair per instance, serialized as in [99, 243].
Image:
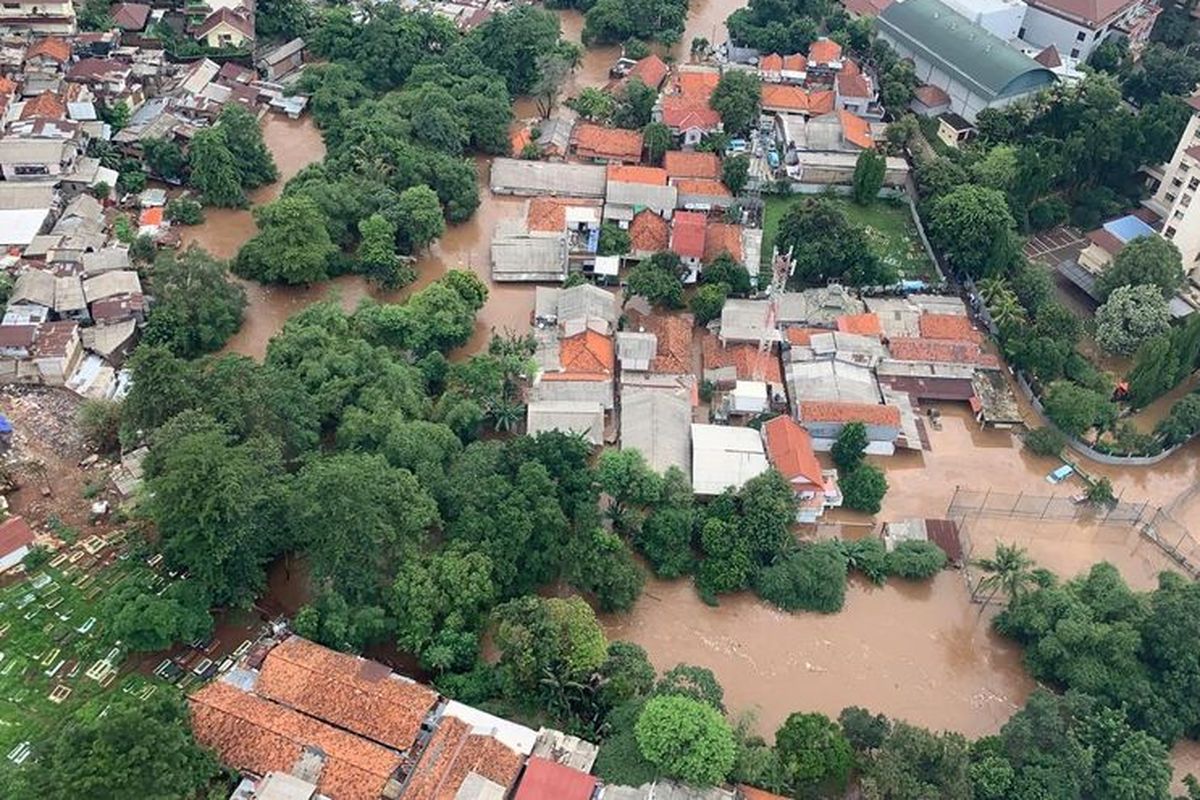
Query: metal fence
[1175, 539]
[1036, 506]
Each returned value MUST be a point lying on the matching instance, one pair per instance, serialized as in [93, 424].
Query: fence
[1174, 539]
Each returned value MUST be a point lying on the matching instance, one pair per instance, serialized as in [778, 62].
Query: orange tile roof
[151, 216]
[744, 358]
[46, 105]
[251, 734]
[824, 51]
[802, 336]
[51, 47]
[850, 67]
[856, 130]
[751, 793]
[948, 326]
[452, 754]
[652, 70]
[868, 413]
[861, 324]
[791, 452]
[586, 353]
[520, 139]
[796, 62]
[15, 533]
[771, 63]
[674, 334]
[546, 215]
[855, 85]
[722, 237]
[780, 96]
[821, 102]
[702, 186]
[649, 233]
[681, 164]
[597, 141]
[944, 351]
[687, 234]
[697, 84]
[7, 86]
[624, 173]
[359, 695]
[684, 112]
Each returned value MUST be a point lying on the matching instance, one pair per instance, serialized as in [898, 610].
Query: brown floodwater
[918, 652]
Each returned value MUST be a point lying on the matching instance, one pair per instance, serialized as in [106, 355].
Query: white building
[1179, 180]
[1077, 27]
[724, 456]
[38, 16]
[1001, 18]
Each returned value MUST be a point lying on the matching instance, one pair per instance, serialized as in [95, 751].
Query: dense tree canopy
[826, 246]
[292, 244]
[1149, 260]
[196, 307]
[686, 739]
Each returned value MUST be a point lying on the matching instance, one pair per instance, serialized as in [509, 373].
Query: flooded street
[918, 652]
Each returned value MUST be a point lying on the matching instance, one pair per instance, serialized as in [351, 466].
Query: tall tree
[243, 137]
[196, 307]
[973, 226]
[213, 171]
[292, 245]
[419, 219]
[736, 99]
[868, 177]
[686, 739]
[1009, 570]
[1147, 260]
[1130, 317]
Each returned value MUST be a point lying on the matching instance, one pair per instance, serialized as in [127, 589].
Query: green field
[53, 661]
[889, 227]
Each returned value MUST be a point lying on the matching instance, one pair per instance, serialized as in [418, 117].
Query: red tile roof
[547, 780]
[624, 173]
[802, 336]
[1107, 241]
[518, 141]
[649, 233]
[546, 215]
[674, 335]
[130, 16]
[751, 793]
[821, 102]
[856, 130]
[359, 695]
[51, 47]
[683, 113]
[796, 62]
[18, 335]
[46, 105]
[681, 164]
[587, 353]
[89, 69]
[597, 141]
[861, 324]
[850, 67]
[866, 8]
[744, 358]
[228, 16]
[791, 452]
[931, 96]
[704, 187]
[687, 234]
[948, 326]
[452, 754]
[151, 216]
[652, 71]
[771, 63]
[784, 97]
[1049, 58]
[853, 84]
[868, 413]
[251, 734]
[15, 533]
[698, 84]
[940, 351]
[722, 237]
[824, 51]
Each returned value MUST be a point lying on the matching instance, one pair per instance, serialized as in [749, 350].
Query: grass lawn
[889, 226]
[55, 655]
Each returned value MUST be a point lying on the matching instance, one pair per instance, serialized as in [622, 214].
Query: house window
[1080, 36]
[1169, 232]
[1074, 52]
[1178, 215]
[1021, 33]
[12, 6]
[1097, 36]
[1177, 182]
[1194, 184]
[1170, 197]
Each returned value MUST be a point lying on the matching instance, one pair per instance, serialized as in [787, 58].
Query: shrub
[813, 578]
[868, 556]
[100, 423]
[36, 558]
[863, 488]
[185, 211]
[1045, 441]
[916, 560]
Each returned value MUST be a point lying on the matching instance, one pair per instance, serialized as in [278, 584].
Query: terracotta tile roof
[350, 692]
[681, 164]
[802, 337]
[86, 69]
[652, 71]
[866, 8]
[940, 351]
[625, 173]
[15, 533]
[452, 754]
[868, 413]
[519, 140]
[751, 793]
[789, 447]
[8, 86]
[1107, 241]
[586, 353]
[771, 63]
[228, 16]
[649, 233]
[861, 324]
[722, 237]
[674, 335]
[697, 84]
[931, 96]
[547, 780]
[853, 85]
[597, 141]
[51, 47]
[546, 215]
[705, 187]
[824, 51]
[856, 130]
[252, 734]
[796, 62]
[151, 216]
[687, 234]
[1049, 58]
[682, 113]
[821, 102]
[46, 105]
[54, 339]
[744, 358]
[850, 67]
[131, 16]
[781, 96]
[948, 326]
[19, 336]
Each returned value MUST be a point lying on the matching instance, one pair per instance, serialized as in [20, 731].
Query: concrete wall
[1044, 29]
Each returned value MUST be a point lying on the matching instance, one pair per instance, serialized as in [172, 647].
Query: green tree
[635, 105]
[1075, 409]
[556, 638]
[1147, 260]
[419, 219]
[1045, 441]
[148, 621]
[377, 257]
[439, 597]
[973, 226]
[868, 177]
[916, 560]
[1130, 317]
[725, 271]
[659, 279]
[213, 171]
[865, 731]
[185, 211]
[863, 488]
[613, 240]
[244, 139]
[292, 244]
[164, 158]
[850, 447]
[665, 538]
[695, 683]
[602, 565]
[196, 307]
[657, 139]
[707, 302]
[736, 99]
[826, 246]
[914, 763]
[282, 19]
[814, 753]
[686, 739]
[735, 173]
[100, 424]
[628, 481]
[137, 748]
[1155, 370]
[811, 578]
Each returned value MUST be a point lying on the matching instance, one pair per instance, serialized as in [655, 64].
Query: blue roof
[1128, 228]
[5, 425]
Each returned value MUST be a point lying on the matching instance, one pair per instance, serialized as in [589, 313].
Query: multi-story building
[1077, 27]
[48, 17]
[1175, 197]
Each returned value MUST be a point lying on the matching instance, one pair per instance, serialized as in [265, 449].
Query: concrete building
[38, 16]
[1178, 181]
[974, 67]
[1001, 18]
[659, 425]
[15, 539]
[724, 456]
[1077, 27]
[567, 416]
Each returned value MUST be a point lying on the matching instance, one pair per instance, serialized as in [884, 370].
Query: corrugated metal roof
[659, 425]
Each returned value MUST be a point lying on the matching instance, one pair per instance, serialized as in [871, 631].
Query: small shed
[568, 416]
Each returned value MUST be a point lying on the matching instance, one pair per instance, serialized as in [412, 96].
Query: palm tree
[1005, 309]
[990, 288]
[1009, 570]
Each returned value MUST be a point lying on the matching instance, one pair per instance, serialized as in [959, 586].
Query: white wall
[1187, 229]
[13, 558]
[1044, 29]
